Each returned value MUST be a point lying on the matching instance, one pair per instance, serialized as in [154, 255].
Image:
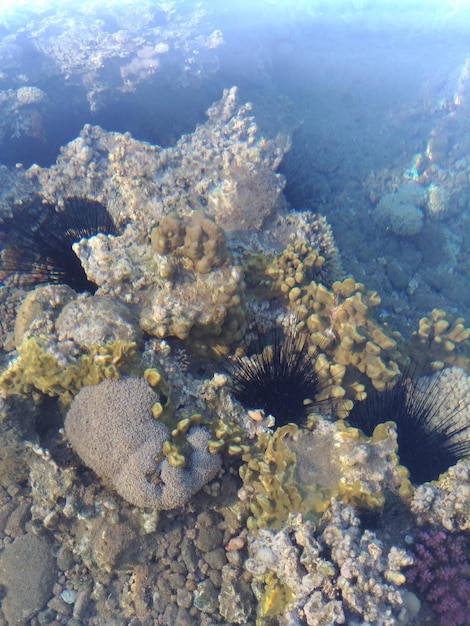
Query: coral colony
[441, 573]
[42, 252]
[430, 437]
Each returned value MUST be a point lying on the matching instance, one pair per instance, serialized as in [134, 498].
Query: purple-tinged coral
[441, 574]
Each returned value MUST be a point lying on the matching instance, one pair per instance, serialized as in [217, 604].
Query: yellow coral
[35, 372]
[439, 341]
[202, 298]
[195, 237]
[297, 470]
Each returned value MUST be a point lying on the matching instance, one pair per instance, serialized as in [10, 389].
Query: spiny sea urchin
[430, 437]
[279, 375]
[39, 249]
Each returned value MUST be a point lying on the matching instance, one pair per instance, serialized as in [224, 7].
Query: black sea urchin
[279, 376]
[39, 249]
[430, 437]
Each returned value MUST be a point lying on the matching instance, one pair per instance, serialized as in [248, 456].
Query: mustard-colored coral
[297, 266]
[195, 237]
[201, 299]
[163, 409]
[296, 470]
[439, 341]
[341, 325]
[274, 600]
[354, 350]
[35, 372]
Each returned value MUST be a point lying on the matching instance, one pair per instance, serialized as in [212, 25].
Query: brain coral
[111, 428]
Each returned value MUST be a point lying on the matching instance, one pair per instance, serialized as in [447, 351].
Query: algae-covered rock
[28, 572]
[36, 372]
[297, 470]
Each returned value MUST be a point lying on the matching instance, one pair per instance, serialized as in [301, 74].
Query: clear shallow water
[374, 101]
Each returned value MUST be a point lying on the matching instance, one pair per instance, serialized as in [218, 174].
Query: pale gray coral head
[111, 428]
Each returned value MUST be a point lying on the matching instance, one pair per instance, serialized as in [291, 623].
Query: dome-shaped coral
[111, 428]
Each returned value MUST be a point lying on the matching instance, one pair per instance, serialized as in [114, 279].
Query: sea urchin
[430, 436]
[279, 376]
[39, 249]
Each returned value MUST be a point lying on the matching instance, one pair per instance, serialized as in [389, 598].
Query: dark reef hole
[158, 111]
[300, 190]
[430, 436]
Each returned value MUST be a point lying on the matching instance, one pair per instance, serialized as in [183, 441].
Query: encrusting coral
[112, 428]
[300, 470]
[195, 237]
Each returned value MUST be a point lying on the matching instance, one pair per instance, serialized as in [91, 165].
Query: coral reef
[79, 46]
[334, 574]
[112, 428]
[146, 182]
[192, 291]
[441, 574]
[300, 470]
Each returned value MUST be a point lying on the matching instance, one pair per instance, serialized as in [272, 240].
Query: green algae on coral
[298, 470]
[35, 372]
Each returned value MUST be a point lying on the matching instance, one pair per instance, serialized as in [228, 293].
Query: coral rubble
[334, 574]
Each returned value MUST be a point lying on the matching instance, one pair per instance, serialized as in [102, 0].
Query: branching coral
[440, 340]
[441, 574]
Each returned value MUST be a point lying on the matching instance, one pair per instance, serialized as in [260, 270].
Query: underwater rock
[111, 428]
[28, 571]
[110, 321]
[445, 502]
[38, 312]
